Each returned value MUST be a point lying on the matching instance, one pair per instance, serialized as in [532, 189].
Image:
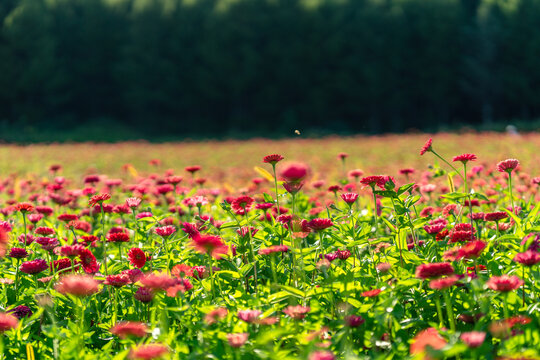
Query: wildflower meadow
[391, 247]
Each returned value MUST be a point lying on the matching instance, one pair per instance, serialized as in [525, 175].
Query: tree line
[268, 66]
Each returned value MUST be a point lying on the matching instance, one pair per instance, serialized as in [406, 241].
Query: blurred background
[160, 70]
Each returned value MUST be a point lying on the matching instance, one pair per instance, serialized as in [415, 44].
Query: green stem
[276, 189]
[511, 192]
[211, 276]
[104, 240]
[439, 310]
[450, 310]
[447, 163]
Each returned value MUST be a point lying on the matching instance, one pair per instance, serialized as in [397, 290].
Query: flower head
[148, 352]
[294, 172]
[426, 147]
[473, 339]
[272, 159]
[129, 328]
[137, 257]
[33, 267]
[297, 312]
[77, 285]
[237, 340]
[320, 224]
[464, 158]
[528, 258]
[507, 165]
[98, 199]
[434, 270]
[504, 283]
[428, 338]
[209, 244]
[7, 322]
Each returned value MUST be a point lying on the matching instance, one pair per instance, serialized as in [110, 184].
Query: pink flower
[237, 340]
[528, 258]
[165, 231]
[249, 316]
[349, 198]
[507, 165]
[133, 202]
[320, 224]
[464, 158]
[426, 147]
[439, 284]
[273, 159]
[77, 285]
[33, 267]
[504, 283]
[321, 355]
[209, 244]
[294, 172]
[297, 312]
[473, 339]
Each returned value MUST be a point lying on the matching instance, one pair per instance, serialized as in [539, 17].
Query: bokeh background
[173, 69]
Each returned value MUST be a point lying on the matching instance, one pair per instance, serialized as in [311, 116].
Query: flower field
[391, 247]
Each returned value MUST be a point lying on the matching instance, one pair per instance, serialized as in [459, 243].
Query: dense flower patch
[441, 262]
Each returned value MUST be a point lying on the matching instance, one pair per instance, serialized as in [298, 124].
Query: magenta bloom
[320, 224]
[349, 198]
[464, 158]
[507, 165]
[165, 231]
[434, 270]
[473, 339]
[527, 258]
[33, 267]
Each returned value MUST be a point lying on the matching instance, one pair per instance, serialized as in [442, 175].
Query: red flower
[43, 230]
[434, 270]
[272, 159]
[376, 180]
[118, 280]
[77, 285]
[24, 207]
[242, 204]
[98, 199]
[464, 158]
[294, 172]
[67, 217]
[320, 224]
[428, 338]
[88, 261]
[504, 283]
[297, 312]
[507, 165]
[371, 293]
[148, 352]
[18, 253]
[137, 257]
[354, 321]
[210, 244]
[495, 216]
[192, 169]
[33, 267]
[472, 250]
[473, 339]
[7, 322]
[118, 237]
[129, 328]
[144, 294]
[293, 187]
[426, 147]
[181, 271]
[274, 249]
[69, 251]
[528, 258]
[444, 283]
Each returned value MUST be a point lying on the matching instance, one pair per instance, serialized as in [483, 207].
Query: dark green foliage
[267, 67]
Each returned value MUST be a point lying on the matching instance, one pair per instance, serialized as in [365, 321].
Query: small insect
[297, 132]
